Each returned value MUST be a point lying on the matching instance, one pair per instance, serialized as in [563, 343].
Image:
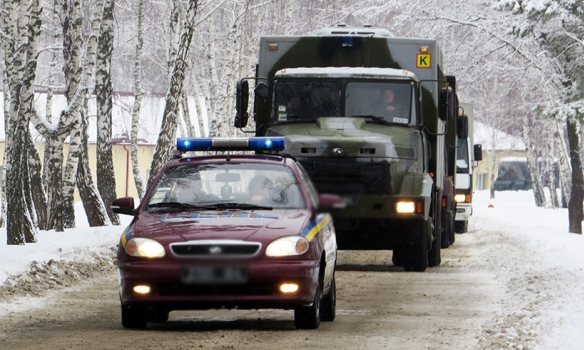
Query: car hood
[260, 226]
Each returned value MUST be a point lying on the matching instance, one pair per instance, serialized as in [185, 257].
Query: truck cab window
[390, 101]
[307, 100]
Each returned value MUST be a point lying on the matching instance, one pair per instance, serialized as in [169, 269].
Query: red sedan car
[228, 231]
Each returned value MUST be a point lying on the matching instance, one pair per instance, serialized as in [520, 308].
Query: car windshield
[237, 186]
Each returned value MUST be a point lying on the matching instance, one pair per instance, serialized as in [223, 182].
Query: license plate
[214, 275]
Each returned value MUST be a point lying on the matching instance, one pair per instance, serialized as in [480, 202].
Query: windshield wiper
[374, 118]
[179, 205]
[298, 118]
[234, 205]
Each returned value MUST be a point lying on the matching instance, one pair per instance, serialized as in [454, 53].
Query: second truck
[374, 119]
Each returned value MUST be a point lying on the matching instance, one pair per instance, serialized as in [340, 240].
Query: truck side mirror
[462, 127]
[478, 152]
[241, 101]
[262, 90]
[446, 104]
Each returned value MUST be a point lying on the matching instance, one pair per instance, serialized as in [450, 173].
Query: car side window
[305, 178]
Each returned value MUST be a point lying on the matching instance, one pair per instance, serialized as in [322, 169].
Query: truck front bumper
[463, 211]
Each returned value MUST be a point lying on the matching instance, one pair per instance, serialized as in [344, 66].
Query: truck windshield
[390, 101]
[462, 159]
[307, 100]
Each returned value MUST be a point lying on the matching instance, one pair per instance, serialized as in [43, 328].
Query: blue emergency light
[187, 144]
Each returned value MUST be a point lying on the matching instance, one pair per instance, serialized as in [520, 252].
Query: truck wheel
[461, 226]
[434, 258]
[133, 317]
[309, 317]
[448, 233]
[451, 234]
[415, 255]
[329, 304]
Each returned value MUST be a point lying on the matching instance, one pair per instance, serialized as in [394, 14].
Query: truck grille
[349, 178]
[215, 249]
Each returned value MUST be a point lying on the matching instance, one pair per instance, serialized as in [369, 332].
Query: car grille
[215, 249]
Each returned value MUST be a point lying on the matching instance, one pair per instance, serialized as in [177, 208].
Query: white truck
[466, 156]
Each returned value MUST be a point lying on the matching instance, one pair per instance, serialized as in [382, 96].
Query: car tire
[158, 315]
[134, 317]
[309, 317]
[397, 257]
[329, 304]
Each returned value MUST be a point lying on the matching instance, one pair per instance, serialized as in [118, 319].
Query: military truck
[329, 94]
[466, 156]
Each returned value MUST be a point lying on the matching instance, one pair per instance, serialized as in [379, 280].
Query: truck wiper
[374, 118]
[179, 205]
[234, 205]
[298, 118]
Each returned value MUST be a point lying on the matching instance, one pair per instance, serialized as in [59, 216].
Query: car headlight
[287, 246]
[144, 247]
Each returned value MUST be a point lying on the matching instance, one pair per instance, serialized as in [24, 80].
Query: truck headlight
[405, 207]
[287, 246]
[144, 247]
[409, 207]
[462, 198]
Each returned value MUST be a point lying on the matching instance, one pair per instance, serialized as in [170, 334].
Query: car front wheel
[134, 317]
[329, 304]
[309, 317]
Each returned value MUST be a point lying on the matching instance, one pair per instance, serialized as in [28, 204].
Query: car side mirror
[330, 202]
[462, 127]
[241, 102]
[124, 205]
[478, 152]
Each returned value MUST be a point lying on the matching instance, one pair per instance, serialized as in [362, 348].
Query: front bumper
[381, 207]
[463, 211]
[260, 291]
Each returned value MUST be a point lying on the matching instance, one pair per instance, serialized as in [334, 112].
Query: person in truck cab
[389, 106]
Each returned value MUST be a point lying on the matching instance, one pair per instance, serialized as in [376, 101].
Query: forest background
[519, 62]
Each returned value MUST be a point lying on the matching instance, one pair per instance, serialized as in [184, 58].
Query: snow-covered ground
[530, 253]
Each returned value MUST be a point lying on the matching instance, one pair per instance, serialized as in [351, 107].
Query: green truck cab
[371, 118]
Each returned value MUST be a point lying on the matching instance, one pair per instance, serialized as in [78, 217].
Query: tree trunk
[92, 202]
[575, 208]
[106, 179]
[565, 170]
[169, 121]
[137, 104]
[551, 178]
[21, 23]
[538, 193]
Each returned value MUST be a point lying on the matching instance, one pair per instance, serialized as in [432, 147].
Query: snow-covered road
[514, 281]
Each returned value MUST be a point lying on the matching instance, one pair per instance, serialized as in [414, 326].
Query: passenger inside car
[260, 188]
[191, 191]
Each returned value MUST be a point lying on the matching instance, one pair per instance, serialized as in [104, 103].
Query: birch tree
[139, 93]
[22, 29]
[558, 27]
[167, 134]
[106, 180]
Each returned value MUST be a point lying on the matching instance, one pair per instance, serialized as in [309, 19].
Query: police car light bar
[187, 144]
